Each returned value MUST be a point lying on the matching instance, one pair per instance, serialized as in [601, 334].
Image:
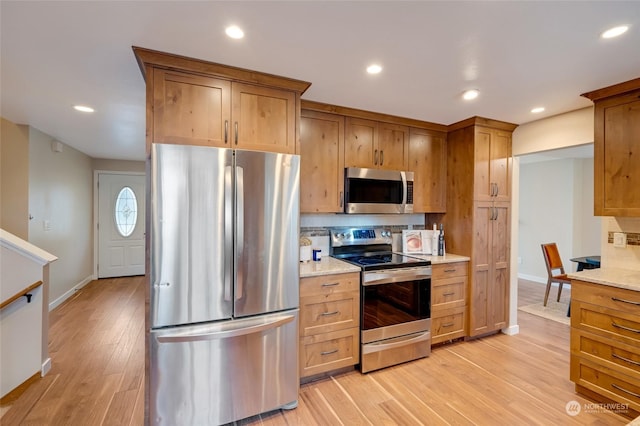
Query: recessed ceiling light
[470, 94]
[615, 31]
[234, 31]
[83, 108]
[537, 110]
[374, 69]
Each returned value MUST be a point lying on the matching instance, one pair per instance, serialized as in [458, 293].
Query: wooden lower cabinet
[448, 301]
[605, 343]
[329, 323]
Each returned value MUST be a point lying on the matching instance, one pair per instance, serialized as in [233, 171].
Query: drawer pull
[449, 324]
[448, 294]
[634, 330]
[326, 314]
[329, 352]
[330, 284]
[630, 361]
[620, 388]
[631, 302]
[450, 270]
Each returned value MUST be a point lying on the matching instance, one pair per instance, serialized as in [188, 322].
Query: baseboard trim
[511, 330]
[71, 292]
[534, 278]
[46, 366]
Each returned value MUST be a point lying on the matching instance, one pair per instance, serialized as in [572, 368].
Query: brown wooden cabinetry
[329, 323]
[477, 222]
[448, 301]
[373, 144]
[605, 342]
[202, 103]
[321, 162]
[428, 162]
[617, 149]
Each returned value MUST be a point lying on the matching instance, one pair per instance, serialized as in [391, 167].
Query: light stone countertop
[329, 265]
[435, 260]
[326, 266]
[614, 277]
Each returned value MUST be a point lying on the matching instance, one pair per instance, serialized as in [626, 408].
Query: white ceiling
[518, 54]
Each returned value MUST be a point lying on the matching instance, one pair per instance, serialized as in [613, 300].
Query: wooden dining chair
[555, 270]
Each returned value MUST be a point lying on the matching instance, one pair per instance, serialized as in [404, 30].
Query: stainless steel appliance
[223, 302]
[395, 297]
[378, 191]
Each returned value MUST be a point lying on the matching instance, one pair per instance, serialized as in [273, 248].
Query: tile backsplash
[618, 257]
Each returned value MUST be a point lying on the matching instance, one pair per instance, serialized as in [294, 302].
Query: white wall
[556, 205]
[60, 192]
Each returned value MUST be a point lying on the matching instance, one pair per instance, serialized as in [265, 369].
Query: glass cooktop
[385, 260]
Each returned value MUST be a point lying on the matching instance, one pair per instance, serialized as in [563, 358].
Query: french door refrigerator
[223, 300]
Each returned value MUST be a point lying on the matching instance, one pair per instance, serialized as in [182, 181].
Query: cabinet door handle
[341, 199]
[329, 284]
[631, 302]
[496, 214]
[497, 189]
[328, 314]
[449, 324]
[236, 130]
[630, 361]
[448, 294]
[449, 270]
[633, 330]
[329, 352]
[226, 131]
[375, 157]
[381, 157]
[620, 388]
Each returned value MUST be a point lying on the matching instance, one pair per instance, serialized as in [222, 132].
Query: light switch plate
[619, 239]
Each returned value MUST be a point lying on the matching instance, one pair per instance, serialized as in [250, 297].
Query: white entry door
[121, 216]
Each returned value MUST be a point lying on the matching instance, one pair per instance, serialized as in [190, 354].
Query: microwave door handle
[403, 176]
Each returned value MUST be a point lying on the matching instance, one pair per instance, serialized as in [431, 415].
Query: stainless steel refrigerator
[223, 302]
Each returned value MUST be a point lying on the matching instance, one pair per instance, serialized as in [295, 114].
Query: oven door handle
[395, 277]
[378, 347]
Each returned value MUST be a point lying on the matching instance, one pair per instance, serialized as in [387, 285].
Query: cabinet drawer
[329, 351]
[320, 314]
[620, 326]
[446, 270]
[448, 293]
[616, 355]
[447, 325]
[329, 284]
[608, 383]
[619, 299]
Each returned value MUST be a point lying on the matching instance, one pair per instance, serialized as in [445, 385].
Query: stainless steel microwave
[378, 191]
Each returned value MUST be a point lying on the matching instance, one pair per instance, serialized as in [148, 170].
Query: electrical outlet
[619, 239]
[519, 260]
[46, 225]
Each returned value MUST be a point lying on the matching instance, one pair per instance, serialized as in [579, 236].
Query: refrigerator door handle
[239, 232]
[226, 334]
[228, 233]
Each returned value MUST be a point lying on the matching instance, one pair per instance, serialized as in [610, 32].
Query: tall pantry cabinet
[477, 222]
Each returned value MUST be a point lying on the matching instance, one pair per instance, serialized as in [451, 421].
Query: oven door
[395, 302]
[378, 191]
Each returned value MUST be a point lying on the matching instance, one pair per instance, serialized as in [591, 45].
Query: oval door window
[126, 211]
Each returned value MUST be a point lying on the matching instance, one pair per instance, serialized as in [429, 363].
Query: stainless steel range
[395, 297]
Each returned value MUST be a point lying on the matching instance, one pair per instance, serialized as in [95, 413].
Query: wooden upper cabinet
[393, 146]
[361, 142]
[493, 164]
[321, 162]
[190, 109]
[264, 119]
[617, 149]
[428, 161]
[195, 102]
[373, 144]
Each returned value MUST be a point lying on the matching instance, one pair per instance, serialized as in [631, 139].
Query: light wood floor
[97, 348]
